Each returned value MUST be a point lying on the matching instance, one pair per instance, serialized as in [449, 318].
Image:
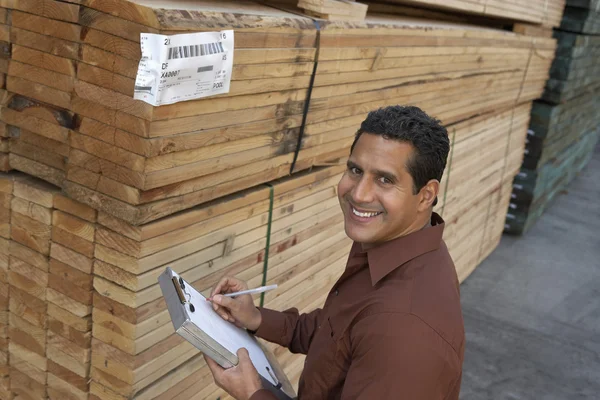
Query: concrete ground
[532, 309]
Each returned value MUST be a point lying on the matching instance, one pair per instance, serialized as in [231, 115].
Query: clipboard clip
[180, 289]
[278, 384]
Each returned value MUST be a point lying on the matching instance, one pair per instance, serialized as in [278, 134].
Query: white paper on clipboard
[205, 325]
[182, 67]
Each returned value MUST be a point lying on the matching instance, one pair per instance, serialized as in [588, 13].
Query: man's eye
[385, 180]
[355, 170]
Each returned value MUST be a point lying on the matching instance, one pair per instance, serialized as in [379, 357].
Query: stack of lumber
[534, 190]
[50, 283]
[582, 16]
[6, 190]
[28, 277]
[135, 353]
[69, 298]
[564, 121]
[485, 156]
[334, 10]
[553, 128]
[4, 56]
[452, 71]
[575, 68]
[72, 83]
[540, 12]
[140, 162]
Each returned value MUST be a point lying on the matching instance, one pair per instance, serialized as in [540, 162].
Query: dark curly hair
[410, 124]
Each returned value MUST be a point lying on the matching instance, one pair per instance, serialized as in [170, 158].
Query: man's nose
[363, 193]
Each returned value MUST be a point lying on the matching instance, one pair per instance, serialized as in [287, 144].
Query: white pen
[250, 291]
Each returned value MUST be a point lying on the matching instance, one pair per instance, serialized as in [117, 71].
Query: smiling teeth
[365, 214]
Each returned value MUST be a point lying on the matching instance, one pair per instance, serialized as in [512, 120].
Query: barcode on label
[195, 50]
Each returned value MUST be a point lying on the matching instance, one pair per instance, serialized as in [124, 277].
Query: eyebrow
[379, 172]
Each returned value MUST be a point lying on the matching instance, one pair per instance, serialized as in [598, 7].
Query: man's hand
[241, 381]
[239, 310]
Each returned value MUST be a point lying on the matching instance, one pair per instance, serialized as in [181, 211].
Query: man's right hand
[240, 310]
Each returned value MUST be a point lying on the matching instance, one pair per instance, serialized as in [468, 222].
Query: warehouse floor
[532, 309]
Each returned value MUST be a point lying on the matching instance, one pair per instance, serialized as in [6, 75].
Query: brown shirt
[391, 327]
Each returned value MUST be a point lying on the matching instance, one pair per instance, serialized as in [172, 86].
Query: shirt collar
[388, 256]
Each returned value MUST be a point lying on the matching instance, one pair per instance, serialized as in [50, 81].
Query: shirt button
[337, 292]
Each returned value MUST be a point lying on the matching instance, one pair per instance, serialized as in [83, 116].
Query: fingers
[243, 355]
[215, 368]
[222, 312]
[227, 302]
[228, 284]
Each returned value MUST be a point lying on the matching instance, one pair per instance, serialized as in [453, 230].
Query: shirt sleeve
[398, 356]
[289, 328]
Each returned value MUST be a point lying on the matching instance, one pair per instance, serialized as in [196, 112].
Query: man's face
[376, 191]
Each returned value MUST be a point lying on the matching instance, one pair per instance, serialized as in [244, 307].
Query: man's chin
[364, 236]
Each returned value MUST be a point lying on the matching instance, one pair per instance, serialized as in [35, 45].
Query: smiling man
[391, 327]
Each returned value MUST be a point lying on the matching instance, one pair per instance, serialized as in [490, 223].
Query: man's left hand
[241, 381]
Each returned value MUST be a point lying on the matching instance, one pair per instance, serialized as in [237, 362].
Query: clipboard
[194, 319]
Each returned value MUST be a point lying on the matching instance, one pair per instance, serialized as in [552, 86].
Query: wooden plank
[53, 146]
[59, 389]
[28, 356]
[82, 339]
[67, 376]
[31, 210]
[46, 44]
[60, 358]
[23, 254]
[38, 154]
[76, 226]
[46, 26]
[41, 59]
[103, 150]
[63, 83]
[34, 168]
[26, 387]
[49, 8]
[27, 307]
[71, 258]
[77, 209]
[74, 292]
[26, 285]
[70, 274]
[39, 92]
[78, 323]
[27, 335]
[73, 242]
[35, 191]
[35, 125]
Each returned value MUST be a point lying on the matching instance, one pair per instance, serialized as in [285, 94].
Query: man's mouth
[365, 214]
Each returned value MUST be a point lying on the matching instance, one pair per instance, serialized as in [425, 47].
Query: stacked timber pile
[564, 122]
[575, 69]
[28, 277]
[538, 12]
[137, 160]
[59, 346]
[332, 10]
[486, 154]
[136, 188]
[582, 16]
[6, 190]
[534, 190]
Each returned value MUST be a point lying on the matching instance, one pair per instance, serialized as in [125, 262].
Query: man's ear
[428, 194]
